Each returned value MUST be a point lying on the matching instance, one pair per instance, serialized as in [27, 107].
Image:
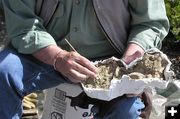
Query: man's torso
[76, 21]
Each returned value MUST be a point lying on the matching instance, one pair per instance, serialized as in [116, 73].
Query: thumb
[130, 58]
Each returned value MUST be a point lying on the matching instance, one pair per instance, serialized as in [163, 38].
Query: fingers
[83, 70]
[86, 63]
[130, 58]
[81, 64]
[75, 67]
[148, 105]
[132, 52]
[145, 112]
[76, 77]
[146, 99]
[145, 115]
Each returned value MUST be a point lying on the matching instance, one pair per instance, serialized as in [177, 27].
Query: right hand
[75, 67]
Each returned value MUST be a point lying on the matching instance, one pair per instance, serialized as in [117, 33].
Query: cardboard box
[57, 105]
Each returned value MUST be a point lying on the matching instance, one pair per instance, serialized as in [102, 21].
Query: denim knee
[129, 108]
[126, 108]
[11, 73]
[10, 96]
[19, 76]
[25, 74]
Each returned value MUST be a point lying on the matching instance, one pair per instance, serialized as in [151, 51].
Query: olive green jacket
[143, 22]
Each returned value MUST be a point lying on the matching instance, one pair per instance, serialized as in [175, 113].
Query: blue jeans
[22, 74]
[125, 108]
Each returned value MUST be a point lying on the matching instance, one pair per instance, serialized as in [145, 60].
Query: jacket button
[77, 2]
[75, 29]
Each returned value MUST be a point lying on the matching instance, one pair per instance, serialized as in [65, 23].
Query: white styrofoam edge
[127, 85]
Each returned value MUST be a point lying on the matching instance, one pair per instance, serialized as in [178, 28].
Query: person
[39, 57]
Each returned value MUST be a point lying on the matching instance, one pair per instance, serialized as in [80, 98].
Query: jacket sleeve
[25, 30]
[149, 24]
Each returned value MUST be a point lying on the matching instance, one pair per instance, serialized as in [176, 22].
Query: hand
[147, 102]
[75, 67]
[133, 52]
[148, 105]
[70, 64]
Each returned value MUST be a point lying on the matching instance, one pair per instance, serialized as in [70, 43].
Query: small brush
[70, 45]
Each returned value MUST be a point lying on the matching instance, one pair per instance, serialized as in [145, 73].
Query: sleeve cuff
[33, 41]
[146, 39]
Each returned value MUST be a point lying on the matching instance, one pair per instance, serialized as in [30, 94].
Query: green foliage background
[173, 13]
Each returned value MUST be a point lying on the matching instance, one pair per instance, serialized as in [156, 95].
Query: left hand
[132, 52]
[148, 105]
[146, 99]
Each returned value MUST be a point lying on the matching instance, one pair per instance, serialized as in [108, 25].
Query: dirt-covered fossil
[151, 65]
[107, 70]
